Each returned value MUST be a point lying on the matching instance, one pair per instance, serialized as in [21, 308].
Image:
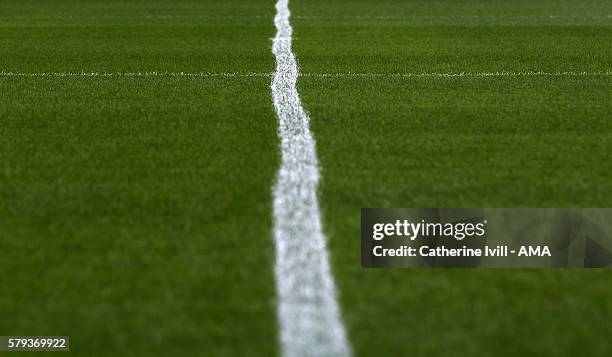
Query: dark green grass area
[135, 212]
[189, 36]
[393, 141]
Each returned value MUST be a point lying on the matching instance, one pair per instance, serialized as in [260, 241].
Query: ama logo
[531, 251]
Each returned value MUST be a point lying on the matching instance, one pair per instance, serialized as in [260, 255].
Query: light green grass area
[393, 141]
[135, 212]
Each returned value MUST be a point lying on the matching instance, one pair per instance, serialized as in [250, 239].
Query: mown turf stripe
[340, 74]
[308, 311]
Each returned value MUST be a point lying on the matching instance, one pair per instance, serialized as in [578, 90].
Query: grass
[461, 142]
[135, 211]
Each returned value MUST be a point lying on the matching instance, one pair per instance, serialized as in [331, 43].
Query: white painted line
[301, 17]
[413, 17]
[308, 311]
[538, 73]
[132, 17]
[135, 74]
[465, 74]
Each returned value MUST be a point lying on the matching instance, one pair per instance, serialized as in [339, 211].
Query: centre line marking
[308, 311]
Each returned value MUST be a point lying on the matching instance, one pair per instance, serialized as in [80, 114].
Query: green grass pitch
[135, 212]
